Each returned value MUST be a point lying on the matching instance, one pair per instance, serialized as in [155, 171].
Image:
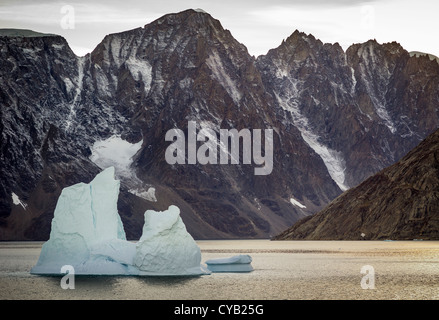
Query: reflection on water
[166, 281]
[84, 284]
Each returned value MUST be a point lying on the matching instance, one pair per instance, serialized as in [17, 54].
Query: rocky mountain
[400, 202]
[360, 110]
[337, 118]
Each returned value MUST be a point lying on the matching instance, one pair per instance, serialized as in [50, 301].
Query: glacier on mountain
[219, 73]
[332, 159]
[118, 153]
[17, 201]
[297, 203]
[87, 234]
[115, 152]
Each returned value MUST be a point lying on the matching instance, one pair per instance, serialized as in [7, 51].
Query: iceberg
[239, 263]
[87, 233]
[164, 236]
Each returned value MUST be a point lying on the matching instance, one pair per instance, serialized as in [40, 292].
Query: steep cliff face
[337, 117]
[360, 110]
[400, 202]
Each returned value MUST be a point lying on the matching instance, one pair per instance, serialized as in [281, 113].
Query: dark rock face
[362, 109]
[400, 202]
[337, 118]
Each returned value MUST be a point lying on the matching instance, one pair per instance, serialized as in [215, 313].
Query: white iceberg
[165, 238]
[87, 234]
[239, 263]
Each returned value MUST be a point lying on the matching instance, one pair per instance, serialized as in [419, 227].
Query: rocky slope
[400, 202]
[360, 110]
[337, 118]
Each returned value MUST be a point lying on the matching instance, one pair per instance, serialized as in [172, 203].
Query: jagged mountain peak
[300, 47]
[372, 49]
[301, 36]
[190, 19]
[169, 31]
[177, 45]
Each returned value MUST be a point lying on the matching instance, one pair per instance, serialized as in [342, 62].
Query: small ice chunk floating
[239, 263]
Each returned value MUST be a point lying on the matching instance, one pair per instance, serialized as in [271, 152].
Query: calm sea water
[293, 270]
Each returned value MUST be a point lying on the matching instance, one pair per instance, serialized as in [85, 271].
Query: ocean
[291, 270]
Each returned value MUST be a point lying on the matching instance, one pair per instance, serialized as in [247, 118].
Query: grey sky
[258, 24]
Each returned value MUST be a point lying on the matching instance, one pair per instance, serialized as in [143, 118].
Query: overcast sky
[259, 24]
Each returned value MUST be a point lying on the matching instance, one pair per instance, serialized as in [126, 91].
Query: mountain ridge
[330, 124]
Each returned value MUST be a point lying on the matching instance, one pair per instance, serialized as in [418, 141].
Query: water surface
[293, 270]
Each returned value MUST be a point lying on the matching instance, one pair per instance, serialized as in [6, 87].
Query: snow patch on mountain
[147, 195]
[374, 83]
[118, 153]
[289, 101]
[115, 152]
[76, 98]
[116, 49]
[354, 81]
[16, 200]
[141, 71]
[297, 203]
[58, 46]
[378, 100]
[220, 74]
[332, 159]
[102, 84]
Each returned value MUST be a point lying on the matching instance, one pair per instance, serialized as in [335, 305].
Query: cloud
[314, 3]
[328, 23]
[51, 13]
